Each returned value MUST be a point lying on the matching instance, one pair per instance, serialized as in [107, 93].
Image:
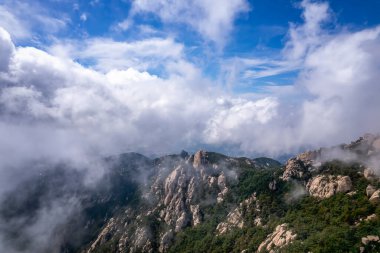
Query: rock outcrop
[280, 237]
[370, 190]
[364, 150]
[369, 174]
[299, 167]
[182, 186]
[166, 241]
[323, 186]
[371, 217]
[375, 197]
[200, 158]
[235, 218]
[368, 240]
[102, 237]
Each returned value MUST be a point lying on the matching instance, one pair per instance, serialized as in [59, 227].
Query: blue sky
[259, 29]
[245, 77]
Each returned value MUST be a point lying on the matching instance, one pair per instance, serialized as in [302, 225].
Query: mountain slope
[213, 203]
[327, 200]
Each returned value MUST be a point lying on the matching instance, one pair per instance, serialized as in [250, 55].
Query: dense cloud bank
[52, 106]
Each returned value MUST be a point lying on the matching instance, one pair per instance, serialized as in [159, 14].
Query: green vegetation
[203, 239]
[328, 225]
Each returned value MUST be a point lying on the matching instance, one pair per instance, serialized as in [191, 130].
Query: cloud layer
[117, 105]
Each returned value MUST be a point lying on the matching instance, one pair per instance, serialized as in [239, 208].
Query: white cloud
[124, 25]
[120, 106]
[213, 19]
[302, 40]
[106, 54]
[342, 76]
[123, 107]
[23, 20]
[236, 118]
[10, 22]
[310, 35]
[6, 50]
[333, 100]
[83, 17]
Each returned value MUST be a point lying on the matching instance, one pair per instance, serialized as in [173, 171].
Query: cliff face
[176, 197]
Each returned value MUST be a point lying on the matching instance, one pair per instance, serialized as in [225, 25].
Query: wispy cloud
[302, 40]
[21, 26]
[106, 54]
[214, 20]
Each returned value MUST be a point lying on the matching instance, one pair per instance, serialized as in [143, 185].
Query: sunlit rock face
[280, 237]
[235, 218]
[327, 186]
[299, 167]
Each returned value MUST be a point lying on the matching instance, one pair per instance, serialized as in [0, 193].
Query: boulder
[369, 174]
[370, 238]
[375, 197]
[371, 217]
[323, 186]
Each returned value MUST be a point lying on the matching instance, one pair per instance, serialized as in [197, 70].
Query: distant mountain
[326, 200]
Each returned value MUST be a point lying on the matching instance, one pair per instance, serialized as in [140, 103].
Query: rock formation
[375, 197]
[280, 237]
[235, 218]
[323, 186]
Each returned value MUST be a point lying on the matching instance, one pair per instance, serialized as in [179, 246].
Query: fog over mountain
[165, 77]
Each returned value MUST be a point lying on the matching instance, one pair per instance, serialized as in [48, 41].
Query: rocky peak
[299, 166]
[200, 158]
[184, 154]
[361, 150]
[183, 190]
[367, 145]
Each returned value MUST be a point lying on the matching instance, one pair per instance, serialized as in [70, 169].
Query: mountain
[327, 200]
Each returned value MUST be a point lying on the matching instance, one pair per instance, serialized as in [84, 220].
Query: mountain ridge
[209, 202]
